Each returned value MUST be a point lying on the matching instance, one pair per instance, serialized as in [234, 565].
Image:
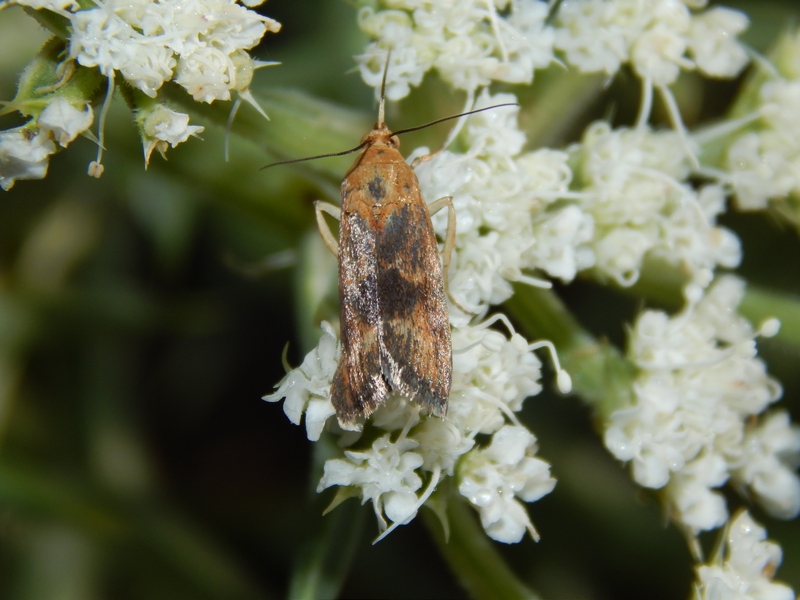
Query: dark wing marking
[358, 385]
[416, 352]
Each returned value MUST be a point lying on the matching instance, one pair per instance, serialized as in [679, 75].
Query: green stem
[472, 557]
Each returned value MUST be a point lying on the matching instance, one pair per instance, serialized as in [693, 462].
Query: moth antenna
[464, 114]
[382, 105]
[362, 144]
[297, 160]
[381, 117]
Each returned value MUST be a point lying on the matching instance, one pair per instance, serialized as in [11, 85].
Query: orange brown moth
[395, 328]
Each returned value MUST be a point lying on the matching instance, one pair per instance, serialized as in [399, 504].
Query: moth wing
[358, 384]
[417, 352]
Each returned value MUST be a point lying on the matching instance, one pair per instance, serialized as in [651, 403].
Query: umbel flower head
[197, 43]
[762, 156]
[468, 43]
[693, 426]
[201, 45]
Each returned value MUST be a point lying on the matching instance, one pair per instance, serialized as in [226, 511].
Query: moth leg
[449, 243]
[324, 230]
[421, 159]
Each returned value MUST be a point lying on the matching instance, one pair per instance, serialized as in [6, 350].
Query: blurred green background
[143, 316]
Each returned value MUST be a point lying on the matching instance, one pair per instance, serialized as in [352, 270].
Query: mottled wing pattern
[358, 385]
[416, 348]
[395, 325]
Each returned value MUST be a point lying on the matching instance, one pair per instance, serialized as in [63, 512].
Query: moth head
[380, 134]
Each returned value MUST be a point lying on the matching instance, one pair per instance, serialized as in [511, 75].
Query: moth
[395, 328]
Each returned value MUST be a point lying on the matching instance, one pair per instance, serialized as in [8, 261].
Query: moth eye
[394, 141]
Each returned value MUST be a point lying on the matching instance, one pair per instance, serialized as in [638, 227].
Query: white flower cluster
[508, 222]
[763, 163]
[658, 38]
[695, 423]
[199, 43]
[493, 478]
[746, 570]
[307, 388]
[634, 187]
[627, 200]
[470, 43]
[397, 473]
[25, 151]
